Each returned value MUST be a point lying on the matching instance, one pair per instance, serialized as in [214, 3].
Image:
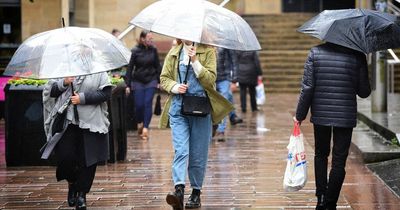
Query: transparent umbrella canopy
[69, 51]
[198, 21]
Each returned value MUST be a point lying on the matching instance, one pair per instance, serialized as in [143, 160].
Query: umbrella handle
[187, 68]
[76, 115]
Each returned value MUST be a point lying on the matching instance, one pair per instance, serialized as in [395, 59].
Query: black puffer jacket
[249, 67]
[144, 65]
[333, 76]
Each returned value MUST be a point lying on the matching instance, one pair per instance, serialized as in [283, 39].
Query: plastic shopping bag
[260, 93]
[296, 168]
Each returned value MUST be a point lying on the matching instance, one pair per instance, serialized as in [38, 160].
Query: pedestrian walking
[226, 82]
[142, 78]
[333, 77]
[84, 140]
[249, 72]
[191, 135]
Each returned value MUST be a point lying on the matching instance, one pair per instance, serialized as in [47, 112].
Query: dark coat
[249, 67]
[333, 76]
[96, 145]
[144, 65]
[226, 65]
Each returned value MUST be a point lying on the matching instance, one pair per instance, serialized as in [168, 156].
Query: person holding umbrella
[84, 142]
[333, 76]
[189, 72]
[142, 79]
[191, 135]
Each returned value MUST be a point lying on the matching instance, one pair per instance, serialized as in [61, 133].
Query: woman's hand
[75, 99]
[127, 91]
[68, 80]
[192, 54]
[182, 88]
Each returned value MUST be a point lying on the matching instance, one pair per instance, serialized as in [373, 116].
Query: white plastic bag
[296, 168]
[260, 93]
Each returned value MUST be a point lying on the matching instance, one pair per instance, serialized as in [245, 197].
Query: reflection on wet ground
[244, 172]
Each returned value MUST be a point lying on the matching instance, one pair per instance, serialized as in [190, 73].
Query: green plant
[116, 80]
[395, 141]
[24, 81]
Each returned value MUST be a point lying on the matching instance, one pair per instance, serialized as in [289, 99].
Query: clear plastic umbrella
[70, 51]
[198, 21]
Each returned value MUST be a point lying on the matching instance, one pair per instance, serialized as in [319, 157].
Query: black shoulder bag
[193, 105]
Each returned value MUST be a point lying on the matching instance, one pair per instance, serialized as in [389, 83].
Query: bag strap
[187, 68]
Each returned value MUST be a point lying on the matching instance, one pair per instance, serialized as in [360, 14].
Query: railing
[393, 8]
[392, 62]
[390, 68]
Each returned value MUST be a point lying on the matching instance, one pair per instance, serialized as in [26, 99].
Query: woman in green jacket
[190, 134]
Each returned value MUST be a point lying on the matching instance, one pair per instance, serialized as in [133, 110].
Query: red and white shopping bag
[296, 168]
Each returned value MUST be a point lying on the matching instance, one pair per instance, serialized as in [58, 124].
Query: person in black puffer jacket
[333, 77]
[142, 79]
[249, 72]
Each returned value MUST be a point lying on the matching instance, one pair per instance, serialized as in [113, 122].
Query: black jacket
[249, 67]
[333, 76]
[144, 65]
[226, 65]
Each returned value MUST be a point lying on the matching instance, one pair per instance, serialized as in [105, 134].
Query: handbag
[157, 107]
[195, 106]
[295, 177]
[260, 93]
[199, 106]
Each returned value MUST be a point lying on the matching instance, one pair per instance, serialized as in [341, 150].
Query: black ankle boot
[321, 203]
[81, 201]
[71, 199]
[175, 199]
[194, 200]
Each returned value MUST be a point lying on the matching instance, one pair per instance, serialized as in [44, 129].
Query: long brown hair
[143, 35]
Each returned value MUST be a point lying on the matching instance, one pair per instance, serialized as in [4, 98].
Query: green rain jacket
[169, 77]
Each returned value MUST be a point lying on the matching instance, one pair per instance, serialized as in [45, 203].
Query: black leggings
[243, 93]
[340, 151]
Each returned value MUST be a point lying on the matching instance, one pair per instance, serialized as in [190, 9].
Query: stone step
[282, 78]
[281, 83]
[282, 66]
[284, 53]
[282, 90]
[281, 72]
[288, 59]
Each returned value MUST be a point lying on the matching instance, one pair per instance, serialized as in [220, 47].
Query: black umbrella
[359, 29]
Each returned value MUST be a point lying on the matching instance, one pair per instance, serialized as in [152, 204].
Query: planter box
[24, 133]
[117, 116]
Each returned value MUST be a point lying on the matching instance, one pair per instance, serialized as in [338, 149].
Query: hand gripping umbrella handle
[74, 106]
[187, 68]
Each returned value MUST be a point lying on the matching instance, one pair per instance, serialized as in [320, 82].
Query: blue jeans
[224, 88]
[190, 137]
[143, 105]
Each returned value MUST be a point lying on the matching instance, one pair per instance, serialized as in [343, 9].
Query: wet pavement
[244, 172]
[390, 120]
[381, 151]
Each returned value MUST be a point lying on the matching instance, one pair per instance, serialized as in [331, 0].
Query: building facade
[21, 19]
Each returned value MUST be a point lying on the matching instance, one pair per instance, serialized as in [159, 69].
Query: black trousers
[243, 93]
[71, 164]
[340, 150]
